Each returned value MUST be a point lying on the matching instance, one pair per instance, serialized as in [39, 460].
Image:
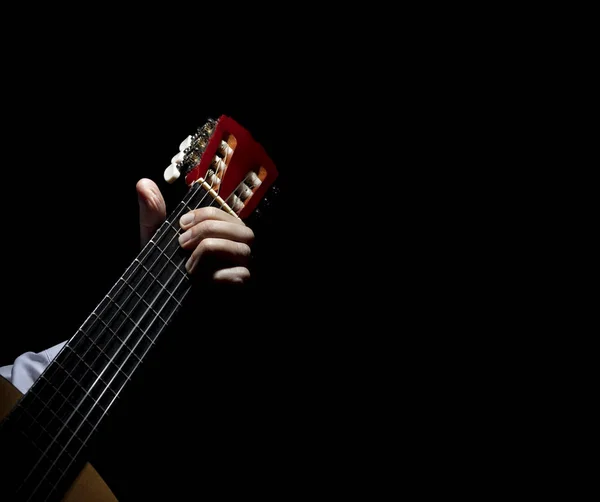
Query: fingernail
[189, 265]
[186, 219]
[185, 236]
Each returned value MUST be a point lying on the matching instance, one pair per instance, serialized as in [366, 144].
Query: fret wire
[58, 471]
[151, 244]
[80, 417]
[169, 260]
[73, 377]
[42, 453]
[53, 466]
[122, 386]
[181, 208]
[94, 372]
[114, 334]
[110, 404]
[90, 338]
[149, 347]
[148, 270]
[34, 418]
[155, 281]
[160, 283]
[136, 326]
[55, 415]
[127, 315]
[93, 343]
[87, 394]
[140, 296]
[53, 441]
[154, 320]
[57, 392]
[172, 225]
[30, 442]
[137, 263]
[67, 406]
[117, 394]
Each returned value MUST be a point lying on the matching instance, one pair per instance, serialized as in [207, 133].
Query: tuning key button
[178, 159]
[224, 151]
[171, 173]
[185, 143]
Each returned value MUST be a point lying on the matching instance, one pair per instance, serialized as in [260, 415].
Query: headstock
[225, 158]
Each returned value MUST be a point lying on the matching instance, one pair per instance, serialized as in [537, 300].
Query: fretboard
[58, 416]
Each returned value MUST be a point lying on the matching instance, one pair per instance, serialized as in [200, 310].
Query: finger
[207, 213]
[153, 209]
[233, 275]
[214, 253]
[215, 229]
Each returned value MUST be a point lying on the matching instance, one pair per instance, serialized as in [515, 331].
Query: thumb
[153, 209]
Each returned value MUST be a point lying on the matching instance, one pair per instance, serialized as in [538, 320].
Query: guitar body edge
[88, 486]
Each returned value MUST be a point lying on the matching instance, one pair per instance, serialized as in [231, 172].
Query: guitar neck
[60, 413]
[53, 423]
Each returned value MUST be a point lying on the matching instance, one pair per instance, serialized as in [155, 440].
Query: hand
[220, 243]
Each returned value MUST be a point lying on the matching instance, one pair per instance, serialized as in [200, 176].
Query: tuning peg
[171, 173]
[178, 159]
[185, 143]
[225, 151]
[252, 180]
[243, 191]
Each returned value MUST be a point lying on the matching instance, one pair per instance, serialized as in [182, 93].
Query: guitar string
[124, 383]
[79, 341]
[151, 243]
[139, 264]
[108, 385]
[126, 359]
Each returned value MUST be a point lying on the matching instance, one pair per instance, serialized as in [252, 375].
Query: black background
[267, 392]
[225, 403]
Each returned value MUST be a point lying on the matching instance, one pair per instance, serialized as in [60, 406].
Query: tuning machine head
[190, 152]
[227, 162]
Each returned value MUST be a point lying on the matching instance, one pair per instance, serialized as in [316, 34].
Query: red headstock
[225, 156]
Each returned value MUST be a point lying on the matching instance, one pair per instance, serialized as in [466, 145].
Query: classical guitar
[45, 434]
